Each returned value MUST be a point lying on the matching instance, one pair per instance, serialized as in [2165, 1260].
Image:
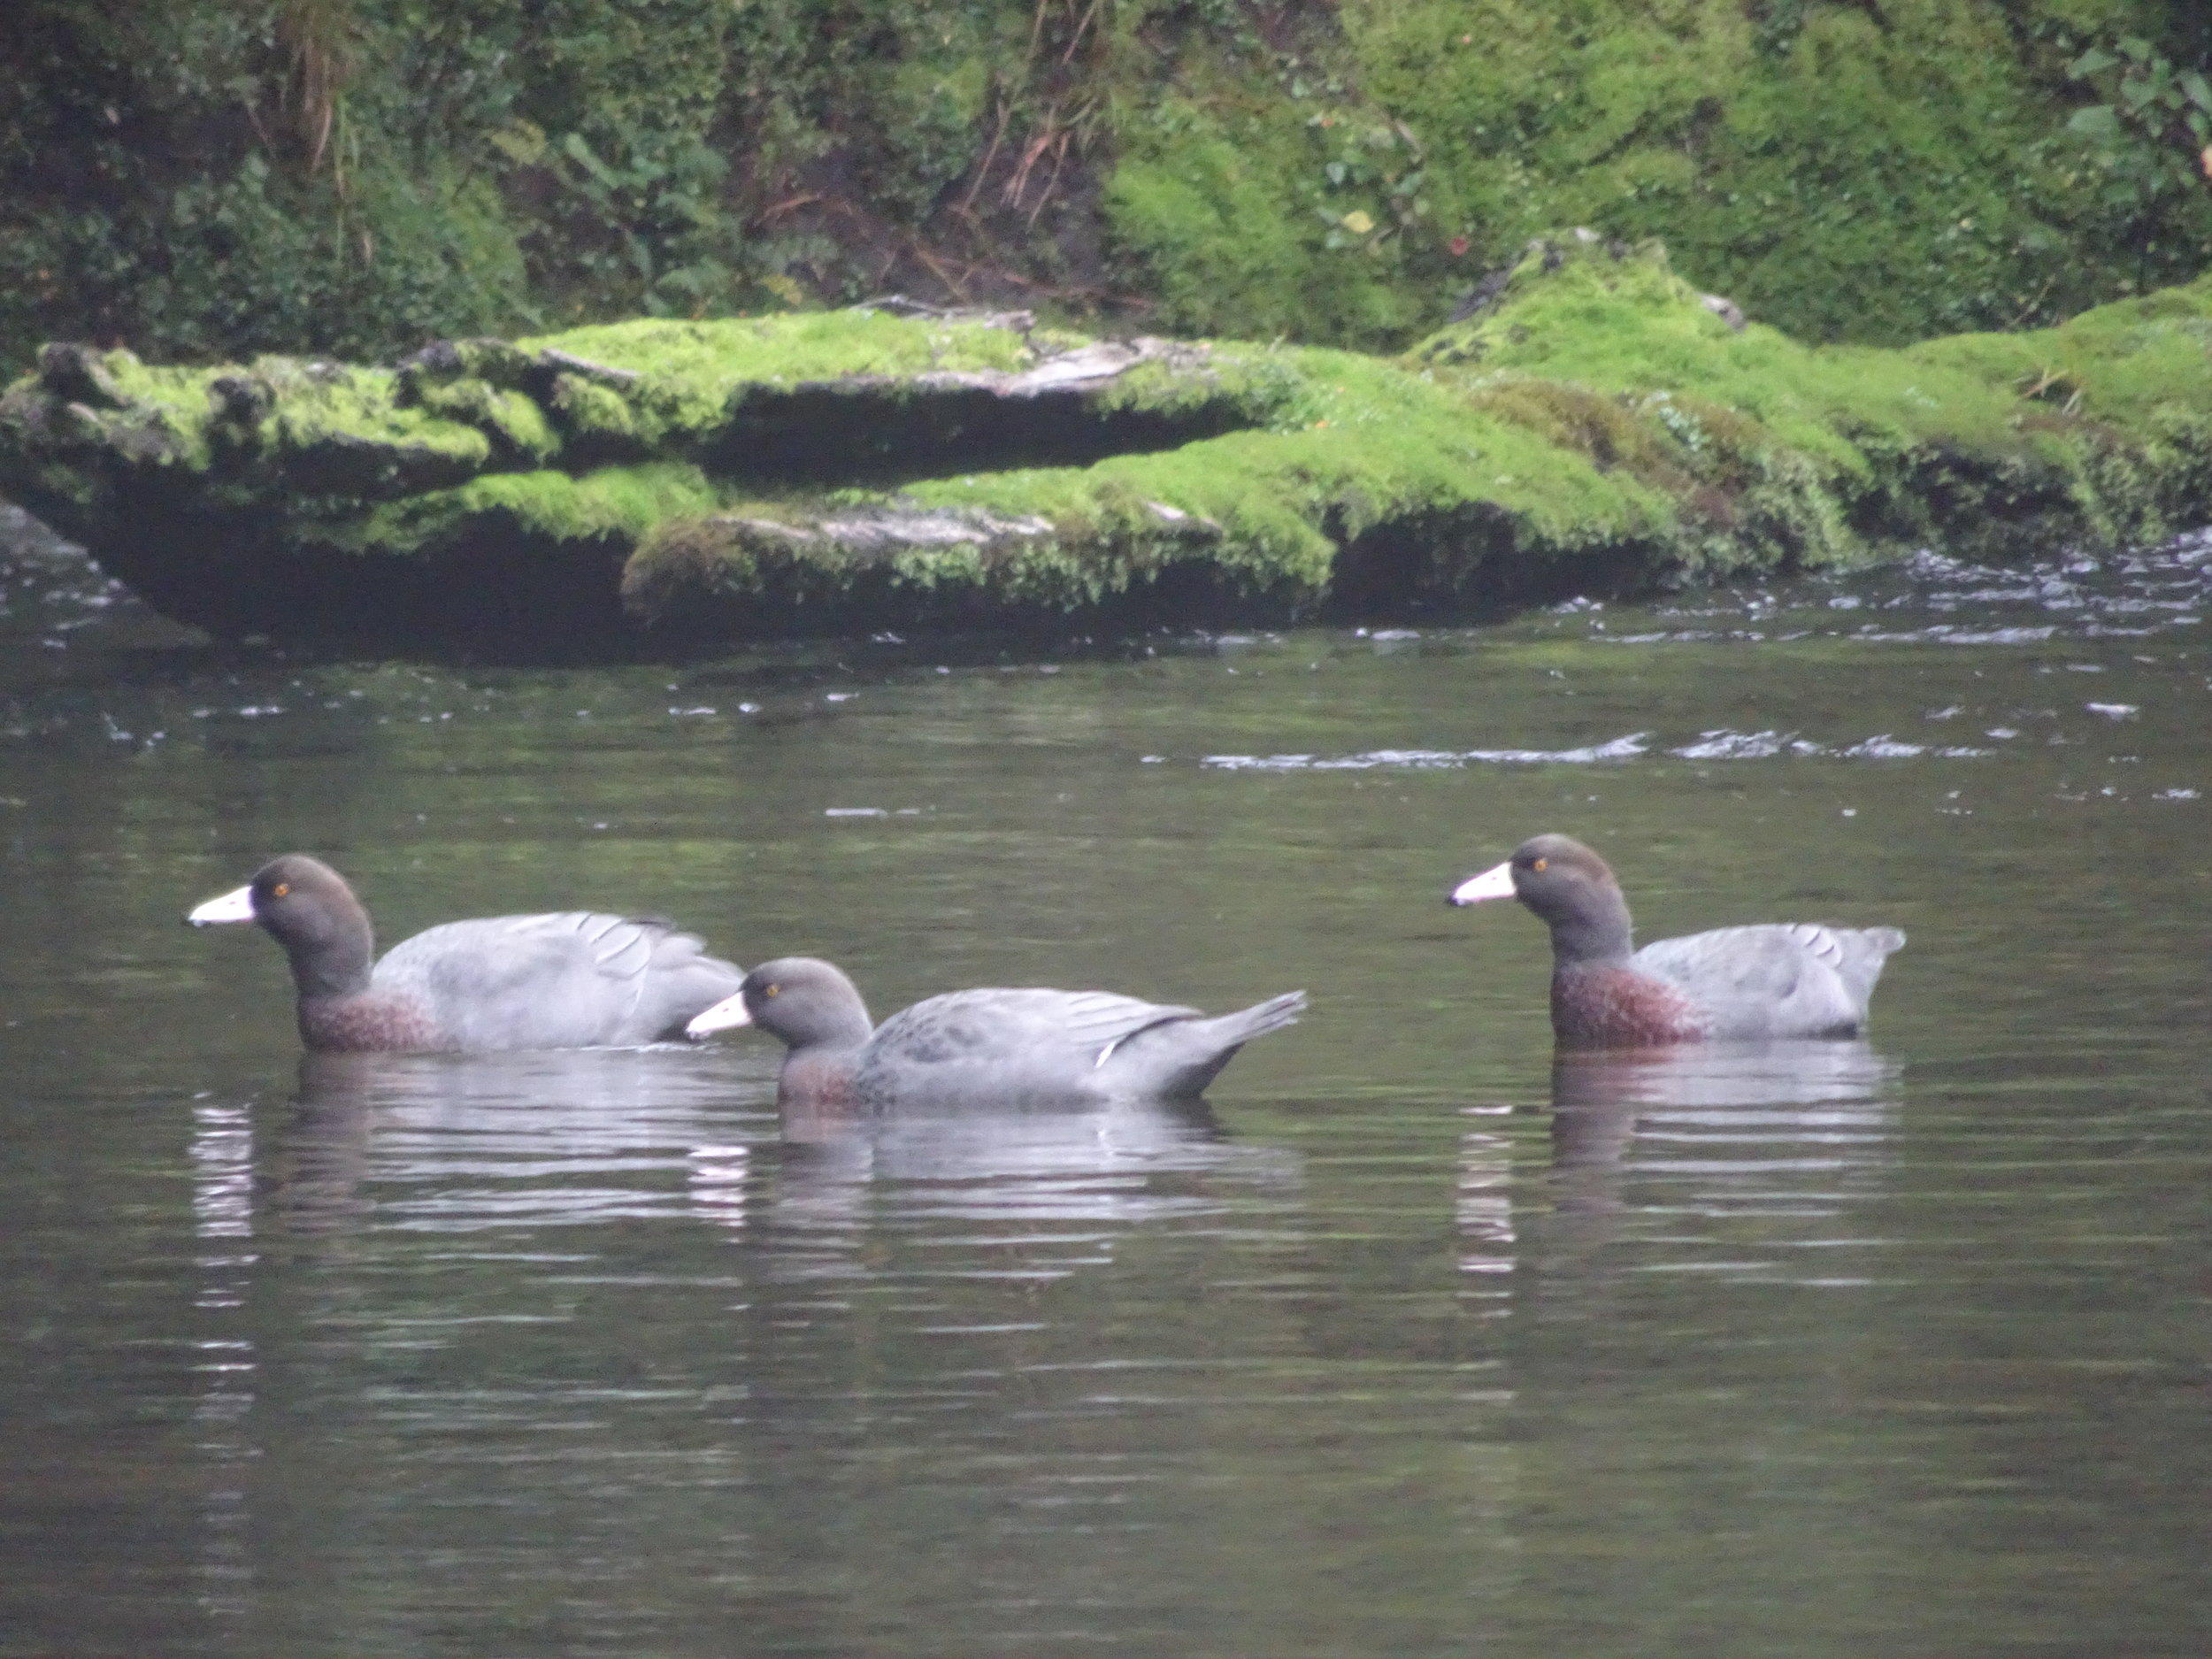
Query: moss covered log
[1594, 422]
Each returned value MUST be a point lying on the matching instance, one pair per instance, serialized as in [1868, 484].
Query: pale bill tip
[725, 1013]
[1496, 883]
[231, 906]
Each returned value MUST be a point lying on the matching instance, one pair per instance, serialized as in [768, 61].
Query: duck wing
[1002, 1042]
[565, 980]
[1775, 979]
[1043, 1045]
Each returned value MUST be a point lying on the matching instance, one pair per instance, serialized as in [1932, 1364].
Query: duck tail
[1178, 1056]
[1260, 1019]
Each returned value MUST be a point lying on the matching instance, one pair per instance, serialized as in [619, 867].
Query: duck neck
[830, 1026]
[1596, 933]
[333, 955]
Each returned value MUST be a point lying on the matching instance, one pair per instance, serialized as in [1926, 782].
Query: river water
[1408, 1342]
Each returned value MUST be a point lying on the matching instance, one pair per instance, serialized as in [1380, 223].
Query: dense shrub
[211, 177]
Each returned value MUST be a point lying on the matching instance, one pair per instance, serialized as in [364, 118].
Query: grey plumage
[1775, 979]
[994, 1044]
[1768, 979]
[569, 980]
[1045, 1043]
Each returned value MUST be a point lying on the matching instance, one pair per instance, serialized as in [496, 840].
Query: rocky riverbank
[1595, 423]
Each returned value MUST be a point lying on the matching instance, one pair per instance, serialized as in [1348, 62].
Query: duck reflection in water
[450, 1143]
[846, 1174]
[573, 1138]
[1774, 1137]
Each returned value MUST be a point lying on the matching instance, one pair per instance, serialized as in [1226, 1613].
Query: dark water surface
[1408, 1343]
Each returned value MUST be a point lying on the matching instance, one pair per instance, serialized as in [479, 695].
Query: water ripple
[1625, 748]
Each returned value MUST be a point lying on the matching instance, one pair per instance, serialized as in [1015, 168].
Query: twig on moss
[953, 285]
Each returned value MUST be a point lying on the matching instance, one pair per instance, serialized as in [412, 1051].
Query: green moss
[1844, 172]
[1599, 423]
[793, 346]
[615, 505]
[596, 411]
[1357, 447]
[166, 406]
[1251, 216]
[689, 376]
[509, 418]
[2121, 362]
[321, 406]
[1802, 437]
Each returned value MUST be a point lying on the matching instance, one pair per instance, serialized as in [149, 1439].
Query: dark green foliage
[172, 175]
[2151, 137]
[1879, 172]
[202, 178]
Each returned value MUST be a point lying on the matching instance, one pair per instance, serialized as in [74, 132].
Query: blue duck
[573, 980]
[991, 1044]
[1775, 979]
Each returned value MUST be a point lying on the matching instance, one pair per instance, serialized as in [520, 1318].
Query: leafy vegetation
[207, 179]
[2151, 137]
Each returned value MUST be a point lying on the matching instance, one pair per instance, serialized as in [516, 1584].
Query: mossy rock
[1595, 421]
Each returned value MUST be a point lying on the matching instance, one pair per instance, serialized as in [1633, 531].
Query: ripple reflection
[567, 1138]
[1724, 1158]
[1046, 1187]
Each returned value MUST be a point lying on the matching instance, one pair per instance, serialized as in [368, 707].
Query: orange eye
[280, 889]
[1538, 866]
